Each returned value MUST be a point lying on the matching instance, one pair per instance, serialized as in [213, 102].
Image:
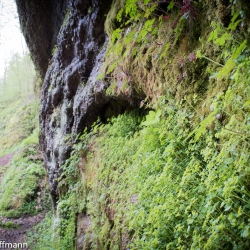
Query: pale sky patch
[11, 38]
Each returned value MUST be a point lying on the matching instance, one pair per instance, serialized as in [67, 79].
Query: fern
[231, 62]
[147, 27]
[131, 8]
[116, 35]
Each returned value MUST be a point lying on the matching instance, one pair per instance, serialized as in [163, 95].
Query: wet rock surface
[68, 94]
[72, 96]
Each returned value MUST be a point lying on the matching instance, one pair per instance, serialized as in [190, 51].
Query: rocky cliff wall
[72, 96]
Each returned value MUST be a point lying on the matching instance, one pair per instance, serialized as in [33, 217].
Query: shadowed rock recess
[72, 96]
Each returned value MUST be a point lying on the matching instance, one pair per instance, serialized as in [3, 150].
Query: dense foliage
[166, 183]
[193, 192]
[20, 183]
[23, 188]
[177, 178]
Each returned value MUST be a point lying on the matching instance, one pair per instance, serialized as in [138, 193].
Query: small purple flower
[192, 57]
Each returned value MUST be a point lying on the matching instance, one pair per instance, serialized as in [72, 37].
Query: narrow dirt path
[20, 226]
[15, 230]
[4, 160]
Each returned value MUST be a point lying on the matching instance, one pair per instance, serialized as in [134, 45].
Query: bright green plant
[43, 236]
[22, 175]
[177, 178]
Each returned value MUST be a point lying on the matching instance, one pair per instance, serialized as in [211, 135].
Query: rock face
[72, 96]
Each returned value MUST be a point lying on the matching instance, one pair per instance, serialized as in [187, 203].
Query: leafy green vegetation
[8, 224]
[44, 236]
[178, 177]
[159, 187]
[21, 180]
[166, 184]
[168, 191]
[19, 106]
[19, 119]
[149, 46]
[20, 183]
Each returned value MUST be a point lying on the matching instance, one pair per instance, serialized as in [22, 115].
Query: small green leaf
[221, 41]
[171, 5]
[246, 232]
[246, 104]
